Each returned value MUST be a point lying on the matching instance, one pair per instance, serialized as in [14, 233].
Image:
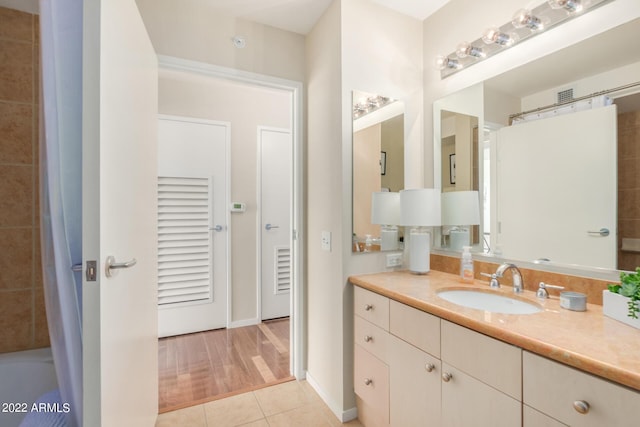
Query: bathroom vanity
[421, 360]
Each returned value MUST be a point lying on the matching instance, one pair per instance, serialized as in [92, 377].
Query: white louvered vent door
[192, 225]
[184, 246]
[282, 268]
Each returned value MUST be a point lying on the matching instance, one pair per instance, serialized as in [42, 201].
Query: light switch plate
[326, 241]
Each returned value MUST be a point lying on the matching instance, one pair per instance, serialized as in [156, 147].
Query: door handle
[269, 227]
[604, 232]
[111, 264]
[217, 228]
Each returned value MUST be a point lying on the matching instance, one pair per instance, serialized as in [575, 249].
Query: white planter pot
[617, 307]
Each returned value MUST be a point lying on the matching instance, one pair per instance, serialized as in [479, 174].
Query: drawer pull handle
[429, 367]
[368, 381]
[446, 377]
[581, 406]
[368, 338]
[368, 307]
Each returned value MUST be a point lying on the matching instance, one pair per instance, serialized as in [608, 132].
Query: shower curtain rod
[571, 101]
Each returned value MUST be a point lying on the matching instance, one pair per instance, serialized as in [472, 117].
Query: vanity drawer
[372, 307]
[371, 382]
[371, 337]
[493, 362]
[554, 389]
[415, 327]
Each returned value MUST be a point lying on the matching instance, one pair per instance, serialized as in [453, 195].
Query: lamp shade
[385, 208]
[420, 207]
[460, 208]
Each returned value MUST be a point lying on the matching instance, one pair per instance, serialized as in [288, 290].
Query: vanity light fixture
[525, 23]
[370, 104]
[525, 19]
[467, 49]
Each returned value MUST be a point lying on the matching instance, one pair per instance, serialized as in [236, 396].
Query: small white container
[616, 306]
[574, 301]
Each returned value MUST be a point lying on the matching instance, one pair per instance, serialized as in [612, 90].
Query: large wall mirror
[559, 186]
[378, 161]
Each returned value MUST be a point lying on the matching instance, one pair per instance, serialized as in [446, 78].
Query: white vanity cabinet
[371, 369]
[576, 398]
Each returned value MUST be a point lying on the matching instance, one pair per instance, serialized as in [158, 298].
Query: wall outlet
[326, 241]
[394, 260]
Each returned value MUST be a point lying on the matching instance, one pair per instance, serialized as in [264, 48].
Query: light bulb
[443, 62]
[467, 49]
[572, 6]
[523, 18]
[494, 35]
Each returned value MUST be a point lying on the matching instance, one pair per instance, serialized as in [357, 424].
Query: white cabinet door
[414, 386]
[120, 318]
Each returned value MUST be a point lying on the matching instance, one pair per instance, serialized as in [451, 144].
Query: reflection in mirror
[378, 163]
[536, 182]
[460, 177]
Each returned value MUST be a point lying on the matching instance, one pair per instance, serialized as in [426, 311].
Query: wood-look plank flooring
[210, 365]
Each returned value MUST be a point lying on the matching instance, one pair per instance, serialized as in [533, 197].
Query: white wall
[196, 30]
[461, 20]
[245, 107]
[357, 45]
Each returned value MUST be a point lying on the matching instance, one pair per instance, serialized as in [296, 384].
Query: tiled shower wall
[628, 186]
[23, 323]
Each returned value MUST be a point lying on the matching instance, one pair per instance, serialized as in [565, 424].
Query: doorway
[189, 89]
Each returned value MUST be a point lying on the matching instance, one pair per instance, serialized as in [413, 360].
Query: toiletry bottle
[466, 265]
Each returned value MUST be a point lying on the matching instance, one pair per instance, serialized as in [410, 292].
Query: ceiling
[299, 16]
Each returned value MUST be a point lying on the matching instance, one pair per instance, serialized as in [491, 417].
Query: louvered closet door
[275, 211]
[192, 225]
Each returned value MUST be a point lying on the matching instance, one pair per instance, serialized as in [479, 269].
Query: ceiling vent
[565, 96]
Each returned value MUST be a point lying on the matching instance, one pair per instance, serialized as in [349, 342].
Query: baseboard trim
[244, 322]
[343, 416]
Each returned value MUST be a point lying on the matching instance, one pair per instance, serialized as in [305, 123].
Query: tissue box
[616, 306]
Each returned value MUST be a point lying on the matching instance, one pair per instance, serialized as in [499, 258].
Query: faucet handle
[493, 283]
[542, 289]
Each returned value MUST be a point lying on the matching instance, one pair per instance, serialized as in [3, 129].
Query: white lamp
[385, 210]
[420, 208]
[460, 209]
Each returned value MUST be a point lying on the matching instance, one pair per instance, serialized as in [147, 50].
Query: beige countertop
[586, 340]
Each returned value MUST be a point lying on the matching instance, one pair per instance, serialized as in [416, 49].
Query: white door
[275, 181]
[557, 188]
[120, 326]
[193, 207]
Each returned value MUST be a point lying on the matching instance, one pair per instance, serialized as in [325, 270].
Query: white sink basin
[486, 301]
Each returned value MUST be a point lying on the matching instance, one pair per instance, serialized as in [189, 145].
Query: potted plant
[621, 301]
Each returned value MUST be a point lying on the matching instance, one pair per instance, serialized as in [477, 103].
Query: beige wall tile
[16, 196]
[41, 331]
[16, 25]
[16, 133]
[15, 322]
[16, 259]
[16, 71]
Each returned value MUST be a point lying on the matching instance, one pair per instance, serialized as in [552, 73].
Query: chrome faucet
[515, 272]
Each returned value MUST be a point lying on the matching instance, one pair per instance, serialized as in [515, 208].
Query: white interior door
[557, 188]
[275, 182]
[120, 345]
[193, 207]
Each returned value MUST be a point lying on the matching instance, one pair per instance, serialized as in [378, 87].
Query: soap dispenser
[466, 265]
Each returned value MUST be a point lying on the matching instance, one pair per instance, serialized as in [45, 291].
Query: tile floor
[293, 403]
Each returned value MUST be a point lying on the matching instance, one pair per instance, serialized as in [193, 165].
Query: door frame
[259, 224]
[297, 334]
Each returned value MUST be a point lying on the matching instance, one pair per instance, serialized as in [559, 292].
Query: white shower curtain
[61, 191]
